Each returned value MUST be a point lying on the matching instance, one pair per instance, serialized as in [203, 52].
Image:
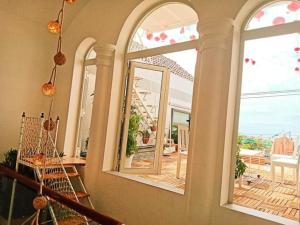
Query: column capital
[215, 34]
[105, 54]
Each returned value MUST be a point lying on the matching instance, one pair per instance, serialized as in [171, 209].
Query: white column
[208, 119]
[105, 57]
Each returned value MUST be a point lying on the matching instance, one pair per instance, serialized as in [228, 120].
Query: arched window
[177, 24]
[268, 128]
[160, 71]
[81, 98]
[273, 14]
[86, 103]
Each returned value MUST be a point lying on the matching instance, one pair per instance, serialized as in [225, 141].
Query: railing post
[11, 206]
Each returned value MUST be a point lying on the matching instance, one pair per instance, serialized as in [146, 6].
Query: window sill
[148, 182]
[262, 215]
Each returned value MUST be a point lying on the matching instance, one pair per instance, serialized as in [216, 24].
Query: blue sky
[274, 70]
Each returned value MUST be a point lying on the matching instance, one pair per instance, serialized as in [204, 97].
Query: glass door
[145, 119]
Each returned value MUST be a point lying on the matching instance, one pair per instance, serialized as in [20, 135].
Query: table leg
[273, 175]
[250, 170]
[282, 174]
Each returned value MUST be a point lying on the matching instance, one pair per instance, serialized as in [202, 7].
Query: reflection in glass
[144, 117]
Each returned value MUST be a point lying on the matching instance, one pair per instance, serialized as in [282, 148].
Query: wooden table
[74, 161]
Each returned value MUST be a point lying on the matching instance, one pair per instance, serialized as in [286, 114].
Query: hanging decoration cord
[48, 89]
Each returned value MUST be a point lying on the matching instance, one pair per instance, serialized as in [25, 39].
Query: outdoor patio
[168, 172]
[279, 198]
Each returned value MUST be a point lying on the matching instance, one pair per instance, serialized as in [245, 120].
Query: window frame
[245, 35]
[86, 62]
[128, 56]
[174, 109]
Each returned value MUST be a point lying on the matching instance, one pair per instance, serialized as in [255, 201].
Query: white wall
[26, 61]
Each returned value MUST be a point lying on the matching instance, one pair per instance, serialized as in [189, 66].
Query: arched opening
[158, 88]
[266, 131]
[84, 71]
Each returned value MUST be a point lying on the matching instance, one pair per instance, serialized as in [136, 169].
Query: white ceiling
[41, 11]
[170, 16]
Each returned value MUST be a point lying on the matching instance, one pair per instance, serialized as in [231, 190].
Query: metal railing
[79, 208]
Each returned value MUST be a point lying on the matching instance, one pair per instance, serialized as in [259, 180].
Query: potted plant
[174, 135]
[154, 126]
[240, 166]
[145, 136]
[23, 195]
[133, 131]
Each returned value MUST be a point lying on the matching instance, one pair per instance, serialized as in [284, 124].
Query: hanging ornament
[48, 89]
[39, 202]
[247, 60]
[49, 125]
[54, 26]
[157, 39]
[278, 20]
[149, 36]
[60, 59]
[172, 41]
[70, 1]
[297, 69]
[293, 6]
[253, 62]
[297, 49]
[259, 15]
[192, 37]
[182, 30]
[298, 60]
[163, 36]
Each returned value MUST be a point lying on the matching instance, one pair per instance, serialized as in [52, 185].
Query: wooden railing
[81, 209]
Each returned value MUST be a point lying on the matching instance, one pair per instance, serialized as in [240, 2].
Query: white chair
[183, 141]
[281, 156]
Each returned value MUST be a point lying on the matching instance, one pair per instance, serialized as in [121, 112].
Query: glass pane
[180, 118]
[144, 117]
[88, 90]
[275, 14]
[170, 24]
[181, 67]
[91, 54]
[269, 123]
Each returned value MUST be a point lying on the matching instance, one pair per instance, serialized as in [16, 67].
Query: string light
[60, 58]
[70, 1]
[54, 26]
[48, 89]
